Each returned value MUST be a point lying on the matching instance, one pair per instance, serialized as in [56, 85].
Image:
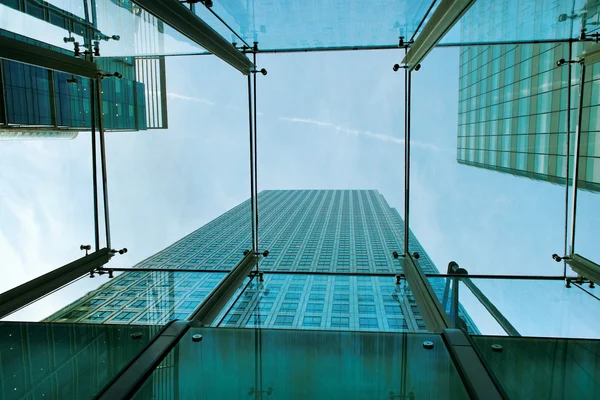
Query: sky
[325, 121]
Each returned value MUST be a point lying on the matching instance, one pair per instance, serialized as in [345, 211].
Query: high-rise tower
[330, 266]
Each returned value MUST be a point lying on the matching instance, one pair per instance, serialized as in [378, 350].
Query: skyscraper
[513, 112]
[330, 267]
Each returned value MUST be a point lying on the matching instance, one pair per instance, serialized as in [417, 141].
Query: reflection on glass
[288, 364]
[532, 368]
[324, 302]
[141, 298]
[65, 360]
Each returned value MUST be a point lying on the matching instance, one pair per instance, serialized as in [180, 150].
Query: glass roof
[300, 24]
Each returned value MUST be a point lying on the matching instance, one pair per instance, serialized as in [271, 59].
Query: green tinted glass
[65, 361]
[534, 368]
[291, 364]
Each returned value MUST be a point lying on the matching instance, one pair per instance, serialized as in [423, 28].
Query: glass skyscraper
[513, 112]
[309, 234]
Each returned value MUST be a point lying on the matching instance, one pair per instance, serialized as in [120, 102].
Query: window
[296, 288]
[311, 321]
[125, 316]
[366, 309]
[368, 323]
[292, 296]
[393, 309]
[99, 315]
[289, 307]
[257, 319]
[138, 304]
[340, 308]
[285, 320]
[366, 298]
[314, 307]
[316, 297]
[397, 323]
[116, 303]
[341, 297]
[233, 319]
[340, 322]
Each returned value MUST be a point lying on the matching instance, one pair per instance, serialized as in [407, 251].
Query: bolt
[197, 338]
[497, 348]
[428, 345]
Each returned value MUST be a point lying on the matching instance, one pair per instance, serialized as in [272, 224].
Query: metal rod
[422, 21]
[375, 47]
[227, 25]
[332, 273]
[576, 158]
[407, 83]
[588, 292]
[567, 158]
[94, 167]
[251, 160]
[103, 160]
[255, 164]
[454, 304]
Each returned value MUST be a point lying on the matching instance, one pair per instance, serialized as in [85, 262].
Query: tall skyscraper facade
[513, 112]
[326, 249]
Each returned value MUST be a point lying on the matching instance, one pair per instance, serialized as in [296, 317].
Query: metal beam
[431, 309]
[584, 267]
[24, 294]
[445, 16]
[480, 384]
[184, 21]
[16, 50]
[132, 377]
[211, 306]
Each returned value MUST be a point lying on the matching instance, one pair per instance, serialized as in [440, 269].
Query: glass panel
[268, 363]
[132, 297]
[122, 28]
[525, 304]
[46, 205]
[365, 303]
[296, 24]
[65, 361]
[489, 20]
[470, 201]
[186, 183]
[326, 144]
[533, 368]
[588, 219]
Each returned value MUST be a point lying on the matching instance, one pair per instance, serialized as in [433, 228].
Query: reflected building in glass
[310, 234]
[513, 112]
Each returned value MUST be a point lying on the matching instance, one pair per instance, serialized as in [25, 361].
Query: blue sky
[326, 121]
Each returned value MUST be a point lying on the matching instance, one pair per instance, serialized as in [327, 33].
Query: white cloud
[369, 134]
[178, 96]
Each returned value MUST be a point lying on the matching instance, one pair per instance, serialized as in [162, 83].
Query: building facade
[513, 112]
[330, 267]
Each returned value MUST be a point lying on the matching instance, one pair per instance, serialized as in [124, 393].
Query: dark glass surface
[541, 368]
[65, 361]
[291, 364]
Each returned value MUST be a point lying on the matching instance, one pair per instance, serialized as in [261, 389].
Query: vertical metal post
[255, 160]
[576, 158]
[454, 311]
[568, 155]
[407, 84]
[103, 159]
[94, 166]
[251, 159]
